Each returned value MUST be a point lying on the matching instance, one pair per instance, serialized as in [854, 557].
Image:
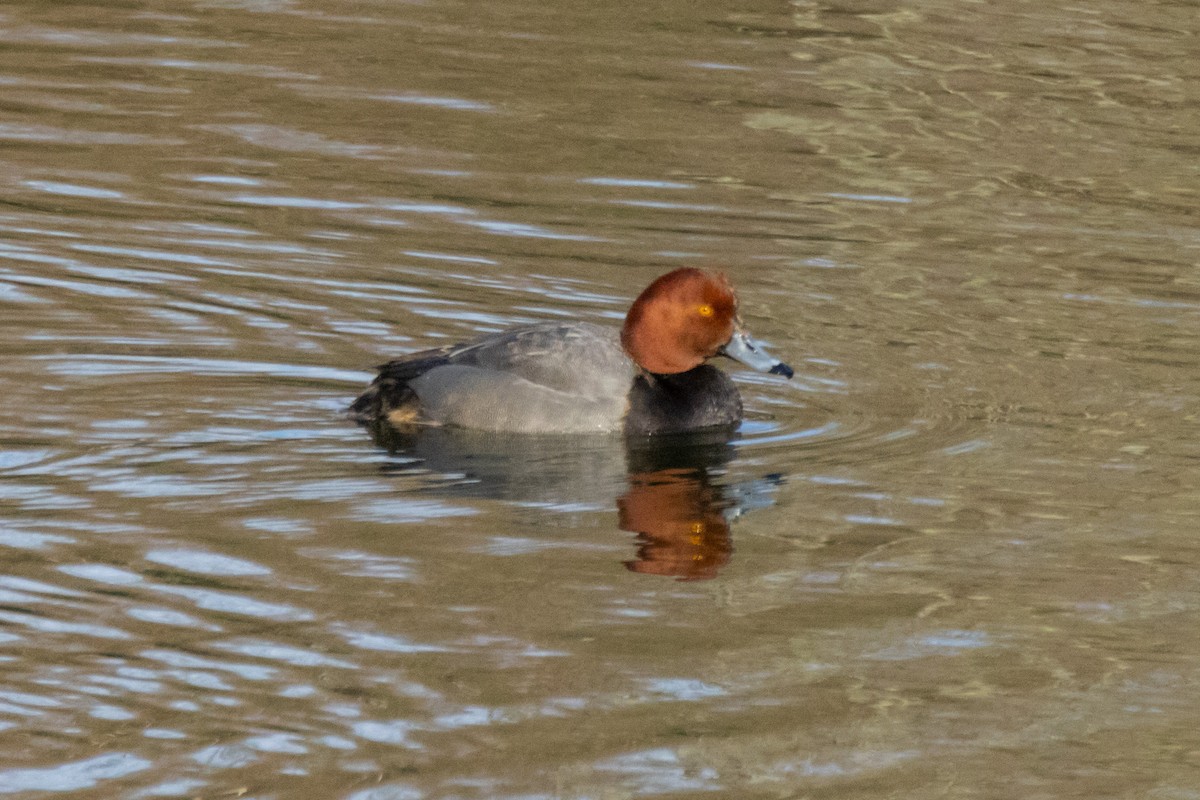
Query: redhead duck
[578, 377]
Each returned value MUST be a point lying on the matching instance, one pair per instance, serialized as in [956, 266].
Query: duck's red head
[681, 319]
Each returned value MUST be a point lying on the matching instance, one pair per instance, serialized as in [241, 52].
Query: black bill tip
[782, 369]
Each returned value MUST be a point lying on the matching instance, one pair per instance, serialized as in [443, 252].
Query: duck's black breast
[703, 397]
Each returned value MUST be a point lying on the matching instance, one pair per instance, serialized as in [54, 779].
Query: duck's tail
[389, 395]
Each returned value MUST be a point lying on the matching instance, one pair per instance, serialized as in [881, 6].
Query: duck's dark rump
[390, 390]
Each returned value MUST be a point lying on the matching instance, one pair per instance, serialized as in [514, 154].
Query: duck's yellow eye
[705, 310]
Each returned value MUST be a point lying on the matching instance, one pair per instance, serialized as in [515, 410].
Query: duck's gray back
[563, 377]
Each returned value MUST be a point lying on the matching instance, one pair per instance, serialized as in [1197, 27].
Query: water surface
[955, 557]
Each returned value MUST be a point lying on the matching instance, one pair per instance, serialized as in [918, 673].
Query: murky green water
[956, 557]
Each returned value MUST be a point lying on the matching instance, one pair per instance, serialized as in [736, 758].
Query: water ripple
[72, 776]
[203, 563]
[101, 365]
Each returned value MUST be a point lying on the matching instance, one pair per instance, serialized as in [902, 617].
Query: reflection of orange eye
[705, 310]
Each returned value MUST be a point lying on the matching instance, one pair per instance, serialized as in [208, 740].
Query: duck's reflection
[680, 525]
[667, 489]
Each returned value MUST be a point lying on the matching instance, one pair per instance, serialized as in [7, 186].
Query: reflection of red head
[680, 526]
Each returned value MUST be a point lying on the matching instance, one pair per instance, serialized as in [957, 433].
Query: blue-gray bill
[749, 352]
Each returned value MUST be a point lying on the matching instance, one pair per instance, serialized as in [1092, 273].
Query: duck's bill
[744, 349]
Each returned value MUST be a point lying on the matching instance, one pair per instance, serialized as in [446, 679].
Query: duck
[648, 378]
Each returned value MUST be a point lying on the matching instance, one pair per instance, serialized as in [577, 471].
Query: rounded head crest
[680, 319]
